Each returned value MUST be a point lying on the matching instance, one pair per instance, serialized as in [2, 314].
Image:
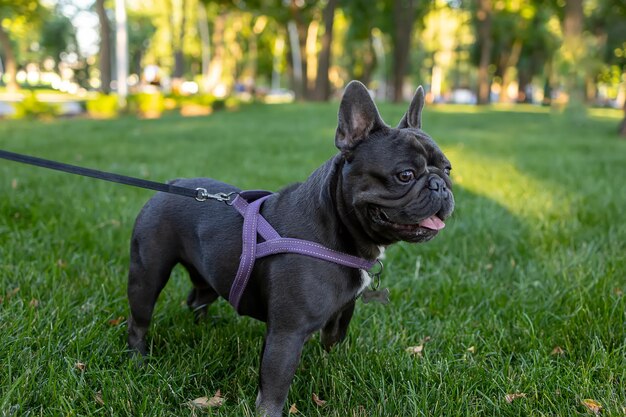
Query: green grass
[533, 258]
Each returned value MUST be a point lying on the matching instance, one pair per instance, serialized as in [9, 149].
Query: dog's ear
[413, 116]
[358, 117]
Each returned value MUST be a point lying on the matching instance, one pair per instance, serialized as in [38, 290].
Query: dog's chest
[366, 279]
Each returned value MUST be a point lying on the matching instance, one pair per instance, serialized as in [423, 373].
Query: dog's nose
[435, 183]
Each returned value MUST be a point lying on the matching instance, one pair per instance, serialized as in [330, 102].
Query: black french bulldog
[386, 185]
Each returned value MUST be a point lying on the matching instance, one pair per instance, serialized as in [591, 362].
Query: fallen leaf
[34, 303]
[99, 399]
[201, 402]
[618, 291]
[317, 401]
[593, 406]
[216, 400]
[80, 366]
[117, 321]
[557, 351]
[293, 409]
[13, 292]
[512, 397]
[489, 267]
[471, 349]
[61, 263]
[415, 350]
[14, 183]
[426, 339]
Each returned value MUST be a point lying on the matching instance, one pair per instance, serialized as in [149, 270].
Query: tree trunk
[486, 44]
[322, 84]
[297, 30]
[179, 57]
[573, 44]
[369, 63]
[205, 41]
[105, 48]
[9, 61]
[216, 66]
[403, 19]
[524, 79]
[511, 62]
[121, 52]
[294, 52]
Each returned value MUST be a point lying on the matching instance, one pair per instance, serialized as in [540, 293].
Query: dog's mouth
[427, 226]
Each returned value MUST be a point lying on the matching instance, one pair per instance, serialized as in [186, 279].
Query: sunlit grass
[533, 258]
[503, 182]
[614, 114]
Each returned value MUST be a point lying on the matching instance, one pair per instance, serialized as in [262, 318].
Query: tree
[9, 60]
[178, 40]
[404, 16]
[105, 47]
[540, 43]
[365, 41]
[483, 22]
[608, 23]
[574, 49]
[27, 12]
[140, 32]
[322, 84]
[58, 35]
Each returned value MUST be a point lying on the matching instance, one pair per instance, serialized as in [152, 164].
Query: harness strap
[254, 223]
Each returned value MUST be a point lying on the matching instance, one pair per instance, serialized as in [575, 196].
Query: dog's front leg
[279, 359]
[336, 328]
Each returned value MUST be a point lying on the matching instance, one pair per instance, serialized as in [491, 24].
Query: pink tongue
[433, 223]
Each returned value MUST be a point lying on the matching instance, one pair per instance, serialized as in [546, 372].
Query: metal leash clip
[203, 195]
[376, 275]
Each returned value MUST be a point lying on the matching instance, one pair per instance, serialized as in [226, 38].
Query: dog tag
[379, 296]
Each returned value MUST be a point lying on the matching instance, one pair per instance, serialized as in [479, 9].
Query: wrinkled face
[398, 183]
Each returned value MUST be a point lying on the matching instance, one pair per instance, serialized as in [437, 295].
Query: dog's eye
[406, 176]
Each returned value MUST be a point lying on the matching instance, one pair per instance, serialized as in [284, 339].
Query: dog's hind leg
[149, 272]
[201, 295]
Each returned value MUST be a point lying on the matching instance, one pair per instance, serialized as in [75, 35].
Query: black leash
[199, 194]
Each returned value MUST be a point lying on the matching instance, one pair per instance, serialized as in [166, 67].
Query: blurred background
[148, 56]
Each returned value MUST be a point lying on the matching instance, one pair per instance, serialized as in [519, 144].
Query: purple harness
[248, 204]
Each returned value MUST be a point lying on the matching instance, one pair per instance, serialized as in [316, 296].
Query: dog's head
[395, 181]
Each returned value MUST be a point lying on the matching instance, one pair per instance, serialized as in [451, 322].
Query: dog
[383, 186]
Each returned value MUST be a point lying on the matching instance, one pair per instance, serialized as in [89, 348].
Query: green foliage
[227, 103]
[532, 259]
[58, 35]
[147, 104]
[206, 100]
[31, 108]
[103, 106]
[141, 29]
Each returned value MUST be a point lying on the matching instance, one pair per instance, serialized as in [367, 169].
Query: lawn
[522, 293]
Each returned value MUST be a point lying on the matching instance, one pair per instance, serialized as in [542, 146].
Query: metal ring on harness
[376, 275]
